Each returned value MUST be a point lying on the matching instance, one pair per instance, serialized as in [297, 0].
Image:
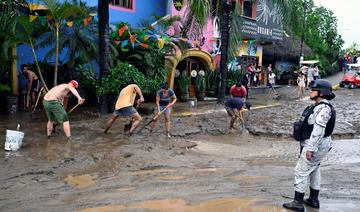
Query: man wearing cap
[53, 105]
[124, 107]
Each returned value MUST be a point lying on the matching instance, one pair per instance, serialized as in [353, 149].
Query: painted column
[14, 75]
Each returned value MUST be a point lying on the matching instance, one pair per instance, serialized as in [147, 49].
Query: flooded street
[200, 168]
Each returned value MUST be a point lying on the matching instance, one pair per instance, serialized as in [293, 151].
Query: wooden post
[15, 83]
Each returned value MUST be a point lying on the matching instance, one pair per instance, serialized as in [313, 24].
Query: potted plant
[184, 82]
[212, 83]
[200, 84]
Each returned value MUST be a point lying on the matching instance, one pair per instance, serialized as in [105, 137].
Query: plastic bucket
[14, 140]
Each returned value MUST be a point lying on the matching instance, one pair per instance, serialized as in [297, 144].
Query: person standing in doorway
[165, 99]
[125, 107]
[53, 105]
[316, 130]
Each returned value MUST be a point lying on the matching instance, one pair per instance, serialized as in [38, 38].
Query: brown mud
[200, 168]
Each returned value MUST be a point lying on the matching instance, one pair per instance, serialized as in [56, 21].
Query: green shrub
[184, 82]
[212, 80]
[4, 88]
[200, 83]
[119, 77]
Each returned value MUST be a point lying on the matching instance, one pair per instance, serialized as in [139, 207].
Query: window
[122, 3]
[247, 8]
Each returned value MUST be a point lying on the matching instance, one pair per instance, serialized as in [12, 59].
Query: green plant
[4, 88]
[232, 78]
[178, 4]
[184, 81]
[212, 80]
[119, 77]
[58, 14]
[200, 83]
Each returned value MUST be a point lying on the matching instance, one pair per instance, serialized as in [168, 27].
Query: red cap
[74, 83]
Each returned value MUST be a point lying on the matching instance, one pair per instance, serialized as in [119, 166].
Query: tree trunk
[103, 14]
[56, 54]
[224, 30]
[37, 65]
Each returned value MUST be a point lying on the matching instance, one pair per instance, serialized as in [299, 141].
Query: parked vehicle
[351, 79]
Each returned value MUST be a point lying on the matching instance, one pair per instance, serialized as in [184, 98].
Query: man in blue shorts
[235, 108]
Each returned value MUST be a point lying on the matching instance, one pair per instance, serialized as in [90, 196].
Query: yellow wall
[202, 55]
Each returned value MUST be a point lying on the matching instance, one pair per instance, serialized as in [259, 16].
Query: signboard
[268, 23]
[269, 20]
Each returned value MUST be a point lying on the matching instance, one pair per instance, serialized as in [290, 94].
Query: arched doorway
[193, 60]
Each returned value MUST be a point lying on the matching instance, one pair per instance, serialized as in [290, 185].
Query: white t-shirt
[272, 78]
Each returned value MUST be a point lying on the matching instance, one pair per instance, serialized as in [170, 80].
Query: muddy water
[178, 205]
[201, 167]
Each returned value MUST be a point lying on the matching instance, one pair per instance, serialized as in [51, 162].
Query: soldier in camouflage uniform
[315, 147]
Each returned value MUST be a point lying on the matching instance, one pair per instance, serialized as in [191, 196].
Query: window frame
[122, 8]
[253, 9]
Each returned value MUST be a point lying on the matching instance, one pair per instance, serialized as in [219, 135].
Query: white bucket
[13, 140]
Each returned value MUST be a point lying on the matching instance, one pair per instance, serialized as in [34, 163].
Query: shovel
[37, 100]
[72, 109]
[153, 119]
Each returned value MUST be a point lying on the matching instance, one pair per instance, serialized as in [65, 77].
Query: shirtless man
[33, 85]
[55, 111]
[124, 107]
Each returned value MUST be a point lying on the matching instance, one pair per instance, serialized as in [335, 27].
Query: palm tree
[58, 15]
[26, 33]
[103, 14]
[230, 30]
[9, 10]
[79, 40]
[225, 8]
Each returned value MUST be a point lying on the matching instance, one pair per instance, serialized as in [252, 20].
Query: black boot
[297, 204]
[313, 200]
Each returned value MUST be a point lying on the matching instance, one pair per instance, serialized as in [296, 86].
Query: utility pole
[303, 31]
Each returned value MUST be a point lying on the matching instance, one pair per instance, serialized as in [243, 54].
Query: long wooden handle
[37, 100]
[72, 109]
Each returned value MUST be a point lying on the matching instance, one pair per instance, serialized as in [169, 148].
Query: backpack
[302, 130]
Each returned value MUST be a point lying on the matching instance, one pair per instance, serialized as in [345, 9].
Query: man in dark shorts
[124, 107]
[33, 84]
[235, 107]
[163, 98]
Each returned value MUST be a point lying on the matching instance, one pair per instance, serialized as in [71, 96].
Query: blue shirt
[234, 103]
[165, 100]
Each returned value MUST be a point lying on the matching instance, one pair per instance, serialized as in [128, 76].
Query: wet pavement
[201, 168]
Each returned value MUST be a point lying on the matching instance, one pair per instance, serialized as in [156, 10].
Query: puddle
[81, 181]
[171, 177]
[180, 205]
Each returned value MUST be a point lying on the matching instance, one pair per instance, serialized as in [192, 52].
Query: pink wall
[208, 31]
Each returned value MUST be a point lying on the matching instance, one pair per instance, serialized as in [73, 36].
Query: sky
[348, 15]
